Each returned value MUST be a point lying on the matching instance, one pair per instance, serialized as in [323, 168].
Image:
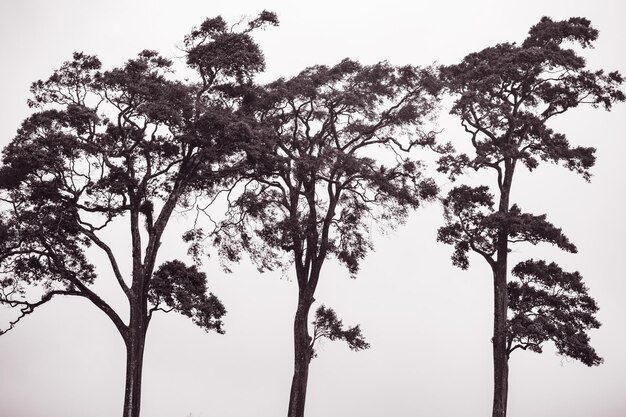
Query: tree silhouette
[119, 149]
[329, 159]
[505, 97]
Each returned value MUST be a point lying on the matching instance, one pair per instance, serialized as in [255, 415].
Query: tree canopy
[315, 176]
[506, 94]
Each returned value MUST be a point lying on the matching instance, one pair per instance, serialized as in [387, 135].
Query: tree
[318, 176]
[122, 148]
[505, 97]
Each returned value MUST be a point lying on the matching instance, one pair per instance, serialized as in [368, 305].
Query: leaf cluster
[216, 50]
[472, 224]
[328, 325]
[549, 304]
[184, 289]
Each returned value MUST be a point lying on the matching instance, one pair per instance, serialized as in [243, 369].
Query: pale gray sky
[428, 323]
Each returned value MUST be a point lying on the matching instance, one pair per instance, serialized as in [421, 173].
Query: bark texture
[134, 367]
[501, 301]
[302, 358]
[500, 357]
[135, 340]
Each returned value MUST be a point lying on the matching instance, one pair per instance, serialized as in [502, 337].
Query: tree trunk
[302, 357]
[500, 357]
[501, 302]
[135, 343]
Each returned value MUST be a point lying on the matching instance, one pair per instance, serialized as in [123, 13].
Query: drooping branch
[26, 307]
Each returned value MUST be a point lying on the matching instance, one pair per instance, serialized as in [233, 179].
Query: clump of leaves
[549, 304]
[472, 224]
[328, 325]
[183, 289]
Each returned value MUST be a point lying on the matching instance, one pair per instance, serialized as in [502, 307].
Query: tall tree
[505, 97]
[330, 157]
[122, 148]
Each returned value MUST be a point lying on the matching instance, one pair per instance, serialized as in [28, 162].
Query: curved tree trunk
[302, 357]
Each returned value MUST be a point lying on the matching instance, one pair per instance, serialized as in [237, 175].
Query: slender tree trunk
[501, 302]
[500, 357]
[135, 342]
[302, 357]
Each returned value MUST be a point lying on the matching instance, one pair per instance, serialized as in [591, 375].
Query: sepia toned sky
[428, 323]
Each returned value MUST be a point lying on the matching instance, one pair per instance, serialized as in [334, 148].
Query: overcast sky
[429, 324]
